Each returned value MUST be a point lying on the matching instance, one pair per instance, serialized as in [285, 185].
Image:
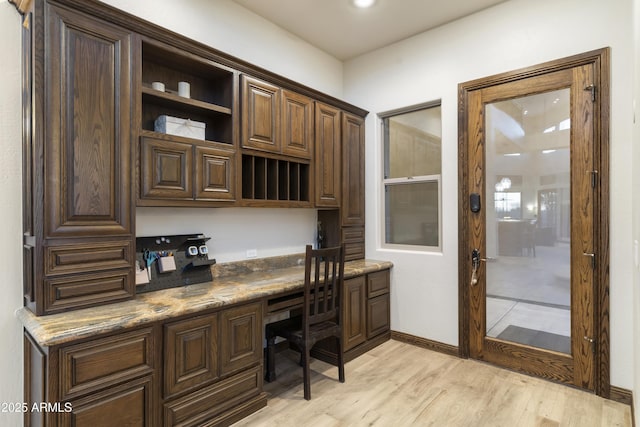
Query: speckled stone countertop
[232, 283]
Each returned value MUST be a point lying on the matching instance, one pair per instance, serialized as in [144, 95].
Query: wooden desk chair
[320, 312]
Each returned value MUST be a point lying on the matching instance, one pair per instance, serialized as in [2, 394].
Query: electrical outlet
[252, 253]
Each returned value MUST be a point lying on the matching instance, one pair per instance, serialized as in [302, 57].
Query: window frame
[384, 182]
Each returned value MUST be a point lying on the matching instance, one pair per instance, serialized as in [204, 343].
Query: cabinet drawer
[190, 353]
[101, 363]
[129, 404]
[200, 407]
[353, 238]
[377, 284]
[66, 293]
[88, 257]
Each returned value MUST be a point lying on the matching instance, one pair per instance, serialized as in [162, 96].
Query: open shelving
[211, 85]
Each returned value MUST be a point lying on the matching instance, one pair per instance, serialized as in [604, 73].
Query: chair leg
[340, 360]
[306, 374]
[270, 375]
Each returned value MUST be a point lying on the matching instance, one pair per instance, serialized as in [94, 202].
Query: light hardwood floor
[397, 384]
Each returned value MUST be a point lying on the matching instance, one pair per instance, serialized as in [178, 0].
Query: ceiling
[344, 31]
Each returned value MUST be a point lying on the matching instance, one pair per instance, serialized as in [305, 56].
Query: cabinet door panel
[297, 124]
[328, 156]
[190, 353]
[88, 168]
[215, 174]
[352, 206]
[242, 334]
[354, 312]
[260, 115]
[378, 315]
[167, 169]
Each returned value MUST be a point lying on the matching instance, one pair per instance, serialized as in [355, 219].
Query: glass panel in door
[528, 292]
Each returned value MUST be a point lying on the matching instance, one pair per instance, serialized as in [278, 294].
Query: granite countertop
[233, 283]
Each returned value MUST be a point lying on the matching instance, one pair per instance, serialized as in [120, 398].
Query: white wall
[429, 66]
[10, 216]
[223, 25]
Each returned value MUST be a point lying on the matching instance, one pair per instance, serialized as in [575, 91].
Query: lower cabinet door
[354, 312]
[241, 331]
[190, 353]
[378, 318]
[129, 404]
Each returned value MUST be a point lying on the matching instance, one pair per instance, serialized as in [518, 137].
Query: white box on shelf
[180, 127]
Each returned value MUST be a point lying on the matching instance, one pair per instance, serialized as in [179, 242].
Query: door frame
[600, 59]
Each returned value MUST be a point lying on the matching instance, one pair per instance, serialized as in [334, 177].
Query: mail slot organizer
[176, 260]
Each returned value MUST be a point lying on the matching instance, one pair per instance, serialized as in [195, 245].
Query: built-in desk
[182, 355]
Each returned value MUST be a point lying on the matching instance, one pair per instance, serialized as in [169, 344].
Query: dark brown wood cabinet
[171, 170]
[241, 331]
[215, 173]
[176, 167]
[260, 115]
[354, 306]
[210, 364]
[378, 303]
[328, 156]
[105, 381]
[81, 72]
[352, 207]
[277, 142]
[366, 321]
[166, 169]
[297, 124]
[190, 354]
[129, 404]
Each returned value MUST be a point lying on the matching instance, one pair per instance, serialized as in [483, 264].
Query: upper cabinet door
[88, 124]
[352, 170]
[260, 115]
[327, 160]
[297, 124]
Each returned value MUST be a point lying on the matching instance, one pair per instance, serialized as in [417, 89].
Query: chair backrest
[323, 279]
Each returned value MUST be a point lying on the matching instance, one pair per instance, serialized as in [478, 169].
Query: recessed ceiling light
[363, 3]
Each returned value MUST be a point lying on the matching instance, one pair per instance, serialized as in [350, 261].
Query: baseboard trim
[451, 350]
[622, 395]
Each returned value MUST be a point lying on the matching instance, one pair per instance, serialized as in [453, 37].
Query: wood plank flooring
[397, 384]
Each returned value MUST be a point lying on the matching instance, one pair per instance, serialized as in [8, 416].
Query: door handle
[475, 264]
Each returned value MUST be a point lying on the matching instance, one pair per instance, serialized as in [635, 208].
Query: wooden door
[328, 159]
[533, 299]
[260, 115]
[297, 124]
